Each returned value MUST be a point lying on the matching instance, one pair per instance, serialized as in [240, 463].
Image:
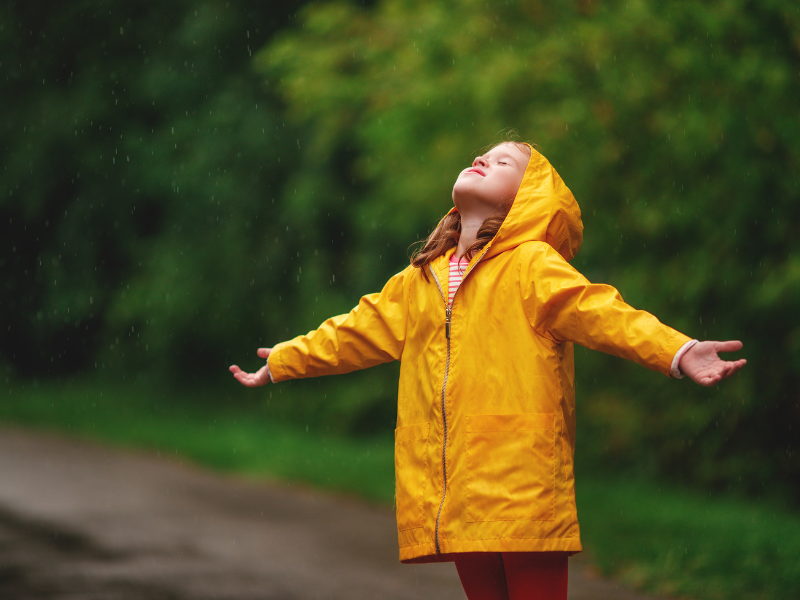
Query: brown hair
[446, 234]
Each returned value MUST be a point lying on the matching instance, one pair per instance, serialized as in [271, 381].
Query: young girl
[483, 322]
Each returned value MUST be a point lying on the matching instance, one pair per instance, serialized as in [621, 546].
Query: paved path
[80, 521]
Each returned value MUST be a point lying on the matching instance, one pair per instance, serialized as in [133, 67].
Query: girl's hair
[446, 234]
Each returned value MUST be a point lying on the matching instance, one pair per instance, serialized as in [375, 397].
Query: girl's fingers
[256, 379]
[729, 368]
[735, 366]
[245, 379]
[729, 346]
[240, 376]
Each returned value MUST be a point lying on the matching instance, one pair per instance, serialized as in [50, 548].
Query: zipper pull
[448, 313]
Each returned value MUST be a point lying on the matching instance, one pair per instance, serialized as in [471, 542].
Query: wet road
[81, 521]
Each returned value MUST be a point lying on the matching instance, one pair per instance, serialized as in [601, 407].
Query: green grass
[674, 541]
[652, 536]
[208, 429]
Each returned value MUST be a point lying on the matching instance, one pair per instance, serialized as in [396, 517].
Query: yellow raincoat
[486, 406]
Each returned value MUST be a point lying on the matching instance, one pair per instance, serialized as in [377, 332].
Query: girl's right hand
[256, 379]
[704, 366]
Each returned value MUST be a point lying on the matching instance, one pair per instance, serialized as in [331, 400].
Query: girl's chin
[474, 207]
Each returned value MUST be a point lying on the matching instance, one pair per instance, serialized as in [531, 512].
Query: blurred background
[185, 182]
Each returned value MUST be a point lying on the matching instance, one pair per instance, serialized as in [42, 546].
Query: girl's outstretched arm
[256, 379]
[562, 305]
[370, 334]
[702, 364]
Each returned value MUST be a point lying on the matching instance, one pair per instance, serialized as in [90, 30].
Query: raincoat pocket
[411, 473]
[511, 467]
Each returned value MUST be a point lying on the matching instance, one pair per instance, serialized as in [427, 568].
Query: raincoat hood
[544, 210]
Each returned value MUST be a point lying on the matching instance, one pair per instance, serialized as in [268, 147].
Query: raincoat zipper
[448, 312]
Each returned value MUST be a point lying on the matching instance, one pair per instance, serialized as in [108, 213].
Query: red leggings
[513, 575]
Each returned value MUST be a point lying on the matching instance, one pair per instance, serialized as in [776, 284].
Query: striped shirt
[456, 275]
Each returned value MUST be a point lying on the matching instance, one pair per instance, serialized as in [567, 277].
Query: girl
[483, 322]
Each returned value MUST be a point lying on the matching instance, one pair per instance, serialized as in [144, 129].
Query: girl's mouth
[476, 170]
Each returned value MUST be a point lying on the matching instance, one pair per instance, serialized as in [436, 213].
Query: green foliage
[169, 203]
[674, 124]
[704, 546]
[141, 160]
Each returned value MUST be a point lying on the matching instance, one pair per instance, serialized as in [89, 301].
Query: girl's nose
[479, 160]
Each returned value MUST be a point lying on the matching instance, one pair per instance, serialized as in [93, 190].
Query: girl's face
[492, 181]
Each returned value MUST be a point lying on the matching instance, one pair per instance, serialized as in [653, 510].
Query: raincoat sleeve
[563, 306]
[370, 334]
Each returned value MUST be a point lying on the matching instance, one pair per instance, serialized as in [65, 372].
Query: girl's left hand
[260, 377]
[703, 366]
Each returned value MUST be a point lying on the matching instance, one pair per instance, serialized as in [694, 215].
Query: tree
[673, 123]
[140, 159]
